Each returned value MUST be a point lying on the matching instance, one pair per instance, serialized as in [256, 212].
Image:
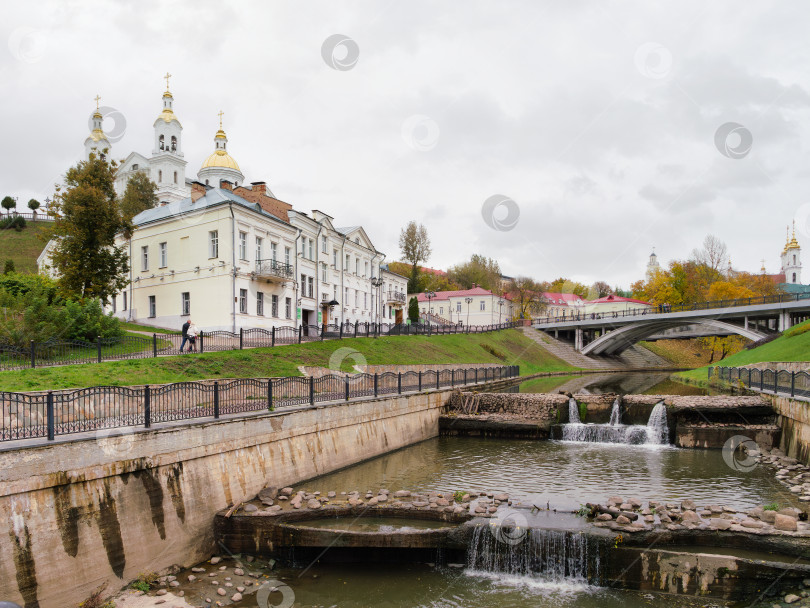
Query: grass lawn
[23, 247]
[148, 329]
[792, 345]
[508, 347]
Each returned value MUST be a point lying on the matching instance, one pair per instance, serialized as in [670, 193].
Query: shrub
[9, 267]
[17, 223]
[797, 330]
[96, 599]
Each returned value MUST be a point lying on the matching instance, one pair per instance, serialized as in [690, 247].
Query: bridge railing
[668, 308]
[765, 380]
[100, 408]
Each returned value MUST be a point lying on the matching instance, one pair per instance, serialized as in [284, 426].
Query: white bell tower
[652, 265]
[167, 166]
[792, 260]
[97, 141]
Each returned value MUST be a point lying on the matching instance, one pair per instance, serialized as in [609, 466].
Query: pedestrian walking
[184, 331]
[193, 332]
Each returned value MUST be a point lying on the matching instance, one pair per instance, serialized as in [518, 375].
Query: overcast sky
[598, 119]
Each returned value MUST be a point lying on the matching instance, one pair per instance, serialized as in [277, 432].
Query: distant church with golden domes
[166, 166]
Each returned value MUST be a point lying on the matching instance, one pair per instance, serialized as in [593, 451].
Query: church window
[160, 176]
[135, 167]
[175, 177]
[161, 144]
[794, 277]
[206, 182]
[794, 258]
[174, 143]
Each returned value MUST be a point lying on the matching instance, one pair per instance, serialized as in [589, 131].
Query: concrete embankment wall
[80, 513]
[794, 418]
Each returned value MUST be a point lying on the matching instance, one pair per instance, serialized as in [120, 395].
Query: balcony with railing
[395, 297]
[274, 271]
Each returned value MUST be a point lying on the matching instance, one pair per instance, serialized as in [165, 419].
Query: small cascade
[657, 427]
[573, 411]
[556, 555]
[655, 432]
[615, 413]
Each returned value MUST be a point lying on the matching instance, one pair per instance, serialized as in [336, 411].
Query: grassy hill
[23, 247]
[509, 347]
[792, 345]
[681, 353]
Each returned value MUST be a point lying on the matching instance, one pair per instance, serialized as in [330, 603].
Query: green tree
[140, 195]
[88, 218]
[8, 203]
[9, 267]
[563, 285]
[413, 310]
[482, 271]
[33, 205]
[415, 247]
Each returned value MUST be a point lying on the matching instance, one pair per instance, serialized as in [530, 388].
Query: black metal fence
[45, 354]
[24, 416]
[668, 308]
[795, 384]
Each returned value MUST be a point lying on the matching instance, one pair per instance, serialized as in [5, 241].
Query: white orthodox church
[166, 166]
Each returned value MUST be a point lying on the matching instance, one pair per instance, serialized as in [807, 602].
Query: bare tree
[415, 247]
[713, 254]
[601, 289]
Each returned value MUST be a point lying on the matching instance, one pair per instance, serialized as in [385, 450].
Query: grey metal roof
[213, 197]
[347, 229]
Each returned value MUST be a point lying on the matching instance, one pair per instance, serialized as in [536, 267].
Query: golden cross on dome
[167, 76]
[97, 100]
[221, 114]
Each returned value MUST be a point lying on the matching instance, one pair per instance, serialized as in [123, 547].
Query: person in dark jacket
[185, 327]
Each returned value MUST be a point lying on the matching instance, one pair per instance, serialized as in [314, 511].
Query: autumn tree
[415, 247]
[139, 195]
[88, 218]
[527, 295]
[482, 271]
[563, 285]
[601, 289]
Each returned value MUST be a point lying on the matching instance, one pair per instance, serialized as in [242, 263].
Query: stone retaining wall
[794, 418]
[92, 509]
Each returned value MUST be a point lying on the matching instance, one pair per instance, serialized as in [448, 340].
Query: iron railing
[793, 384]
[667, 308]
[274, 268]
[100, 408]
[50, 353]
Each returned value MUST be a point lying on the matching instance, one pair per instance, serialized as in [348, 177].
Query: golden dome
[220, 158]
[98, 135]
[168, 116]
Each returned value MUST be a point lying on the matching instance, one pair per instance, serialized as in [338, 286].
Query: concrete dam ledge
[102, 508]
[687, 562]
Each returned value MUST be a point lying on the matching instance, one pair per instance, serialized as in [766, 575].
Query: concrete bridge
[612, 333]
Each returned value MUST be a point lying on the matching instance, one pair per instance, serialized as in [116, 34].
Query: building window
[161, 143]
[213, 244]
[145, 258]
[441, 310]
[346, 297]
[346, 265]
[303, 247]
[311, 285]
[311, 247]
[160, 176]
[323, 244]
[365, 274]
[356, 298]
[125, 301]
[273, 251]
[164, 256]
[242, 245]
[483, 305]
[334, 258]
[334, 292]
[135, 167]
[286, 255]
[259, 241]
[323, 273]
[288, 307]
[303, 285]
[274, 305]
[243, 301]
[113, 303]
[458, 306]
[185, 304]
[175, 173]
[152, 307]
[357, 266]
[260, 304]
[174, 149]
[794, 277]
[365, 300]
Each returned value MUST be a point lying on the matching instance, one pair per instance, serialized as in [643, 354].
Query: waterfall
[573, 411]
[657, 427]
[656, 431]
[615, 413]
[557, 555]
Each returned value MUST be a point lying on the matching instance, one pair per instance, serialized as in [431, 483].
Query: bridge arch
[618, 340]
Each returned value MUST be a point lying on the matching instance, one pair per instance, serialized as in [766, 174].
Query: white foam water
[573, 411]
[654, 433]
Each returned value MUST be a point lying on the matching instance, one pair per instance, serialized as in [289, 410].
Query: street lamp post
[500, 309]
[377, 282]
[429, 295]
[468, 300]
